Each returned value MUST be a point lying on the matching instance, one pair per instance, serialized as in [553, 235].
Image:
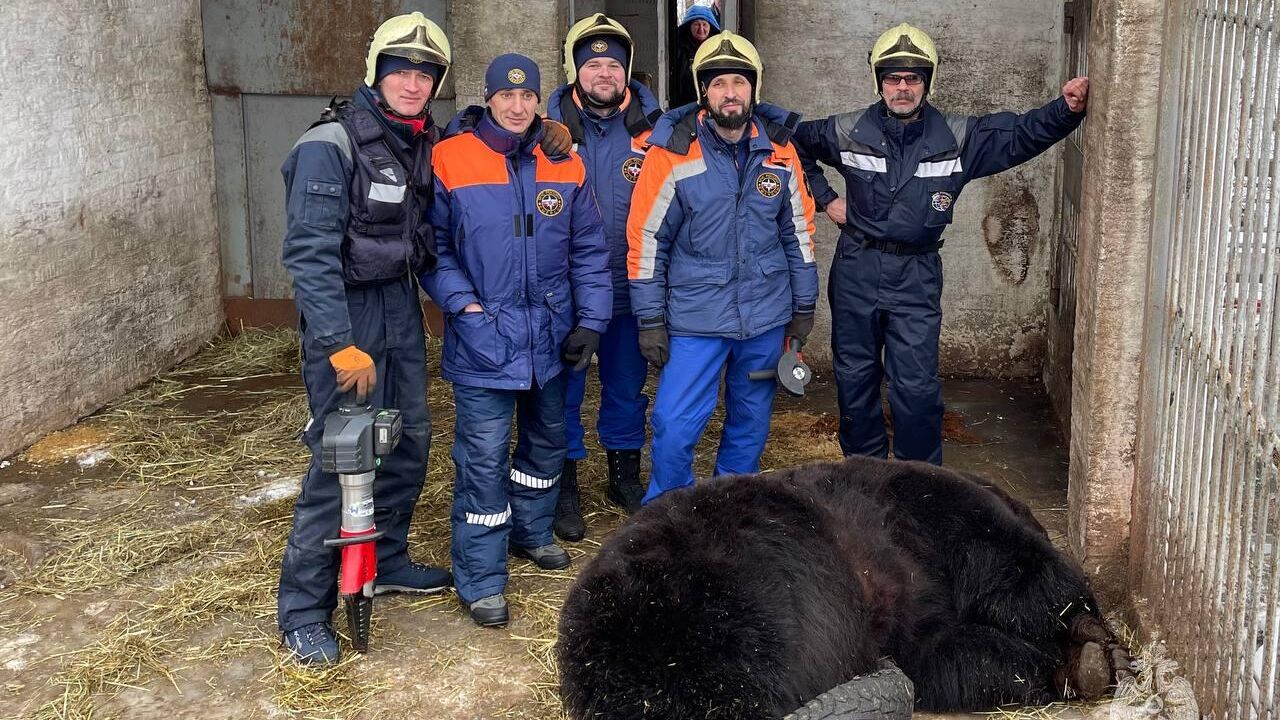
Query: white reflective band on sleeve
[938, 169]
[489, 520]
[530, 481]
[386, 193]
[799, 221]
[864, 162]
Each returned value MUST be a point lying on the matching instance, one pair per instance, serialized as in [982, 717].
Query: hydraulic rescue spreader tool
[356, 438]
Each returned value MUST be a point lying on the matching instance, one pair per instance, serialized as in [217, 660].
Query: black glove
[579, 346]
[800, 326]
[654, 346]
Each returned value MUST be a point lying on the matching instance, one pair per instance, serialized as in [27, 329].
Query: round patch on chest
[549, 203]
[631, 169]
[768, 184]
[941, 201]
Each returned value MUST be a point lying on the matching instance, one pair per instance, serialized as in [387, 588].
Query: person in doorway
[357, 186]
[609, 118]
[720, 262]
[523, 280]
[904, 165]
[698, 24]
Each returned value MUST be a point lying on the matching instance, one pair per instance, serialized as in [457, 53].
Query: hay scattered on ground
[251, 352]
[67, 444]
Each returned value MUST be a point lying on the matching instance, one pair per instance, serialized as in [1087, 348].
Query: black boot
[624, 480]
[568, 524]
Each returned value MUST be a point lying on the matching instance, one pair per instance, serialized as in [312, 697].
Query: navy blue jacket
[902, 179]
[318, 174]
[612, 148]
[521, 236]
[720, 249]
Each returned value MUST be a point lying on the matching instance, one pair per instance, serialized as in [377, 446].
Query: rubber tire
[886, 694]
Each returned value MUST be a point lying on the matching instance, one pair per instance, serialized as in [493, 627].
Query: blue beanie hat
[607, 46]
[388, 64]
[512, 71]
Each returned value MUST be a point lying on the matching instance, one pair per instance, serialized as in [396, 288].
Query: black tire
[886, 694]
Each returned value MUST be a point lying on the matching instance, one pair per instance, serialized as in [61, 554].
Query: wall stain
[1011, 226]
[327, 40]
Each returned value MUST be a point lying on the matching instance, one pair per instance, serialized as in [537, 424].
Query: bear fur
[744, 597]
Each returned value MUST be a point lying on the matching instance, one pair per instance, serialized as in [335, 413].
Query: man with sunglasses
[904, 164]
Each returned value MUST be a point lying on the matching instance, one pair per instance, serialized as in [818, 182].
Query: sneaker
[625, 489]
[313, 644]
[413, 578]
[568, 524]
[488, 611]
[547, 557]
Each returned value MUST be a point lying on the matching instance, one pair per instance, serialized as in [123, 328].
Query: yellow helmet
[728, 51]
[904, 46]
[410, 36]
[590, 26]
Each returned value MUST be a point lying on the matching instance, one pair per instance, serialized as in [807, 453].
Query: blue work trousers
[623, 403]
[386, 323]
[687, 393]
[886, 315]
[499, 497]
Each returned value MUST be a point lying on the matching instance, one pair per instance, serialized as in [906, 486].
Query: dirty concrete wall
[108, 237]
[998, 250]
[481, 30]
[1111, 272]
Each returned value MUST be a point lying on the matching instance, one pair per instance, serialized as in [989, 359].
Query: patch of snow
[92, 457]
[277, 490]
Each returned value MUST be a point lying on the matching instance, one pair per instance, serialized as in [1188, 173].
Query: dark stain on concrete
[1010, 227]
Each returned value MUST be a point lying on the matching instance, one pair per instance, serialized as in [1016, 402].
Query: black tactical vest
[388, 231]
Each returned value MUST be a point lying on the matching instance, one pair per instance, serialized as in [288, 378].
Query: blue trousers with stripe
[623, 403]
[687, 392]
[496, 498]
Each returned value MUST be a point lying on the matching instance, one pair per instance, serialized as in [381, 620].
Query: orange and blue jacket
[520, 235]
[715, 251]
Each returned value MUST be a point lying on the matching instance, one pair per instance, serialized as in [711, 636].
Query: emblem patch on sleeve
[631, 169]
[768, 184]
[942, 201]
[549, 203]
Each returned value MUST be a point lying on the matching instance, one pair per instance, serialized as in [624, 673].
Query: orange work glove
[555, 139]
[354, 368]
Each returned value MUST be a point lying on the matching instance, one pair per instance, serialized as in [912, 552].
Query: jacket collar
[937, 137]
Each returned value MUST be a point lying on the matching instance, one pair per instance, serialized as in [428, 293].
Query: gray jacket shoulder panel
[959, 125]
[329, 132]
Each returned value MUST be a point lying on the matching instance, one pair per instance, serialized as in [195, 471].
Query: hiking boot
[568, 524]
[413, 578]
[313, 644]
[625, 490]
[547, 557]
[489, 611]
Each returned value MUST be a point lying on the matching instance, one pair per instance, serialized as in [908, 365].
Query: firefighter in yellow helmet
[720, 262]
[904, 164]
[357, 186]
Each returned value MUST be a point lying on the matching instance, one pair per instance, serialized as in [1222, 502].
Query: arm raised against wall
[1000, 141]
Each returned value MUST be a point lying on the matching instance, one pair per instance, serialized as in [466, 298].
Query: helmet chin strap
[905, 116]
[589, 100]
[386, 108]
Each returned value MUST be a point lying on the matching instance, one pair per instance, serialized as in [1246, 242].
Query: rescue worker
[523, 280]
[357, 185]
[904, 165]
[609, 118]
[721, 262]
[698, 24]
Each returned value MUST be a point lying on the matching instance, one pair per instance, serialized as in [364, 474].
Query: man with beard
[609, 118]
[720, 262]
[904, 164]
